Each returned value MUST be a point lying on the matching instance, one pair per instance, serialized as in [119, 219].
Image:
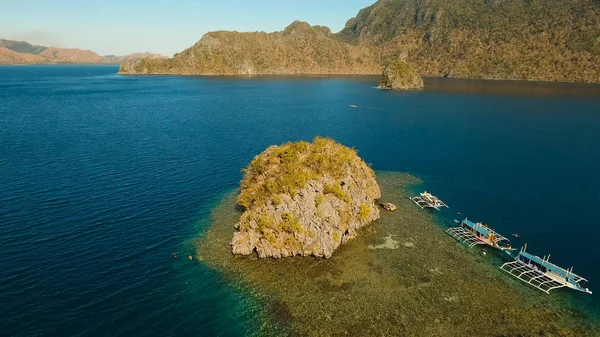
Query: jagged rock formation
[304, 199]
[400, 76]
[298, 49]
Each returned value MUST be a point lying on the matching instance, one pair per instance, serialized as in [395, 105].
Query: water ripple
[103, 177]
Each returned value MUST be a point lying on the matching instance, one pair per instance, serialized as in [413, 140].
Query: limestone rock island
[400, 75]
[304, 199]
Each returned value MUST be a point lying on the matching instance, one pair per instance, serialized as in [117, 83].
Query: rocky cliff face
[304, 199]
[399, 75]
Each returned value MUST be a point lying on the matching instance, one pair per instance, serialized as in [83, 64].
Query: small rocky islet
[399, 75]
[400, 275]
[304, 199]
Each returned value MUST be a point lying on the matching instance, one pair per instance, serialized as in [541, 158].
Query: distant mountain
[298, 49]
[67, 55]
[546, 40]
[135, 56]
[21, 47]
[20, 52]
[8, 56]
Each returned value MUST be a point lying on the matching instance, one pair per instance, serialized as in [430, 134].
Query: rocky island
[304, 199]
[399, 75]
[545, 40]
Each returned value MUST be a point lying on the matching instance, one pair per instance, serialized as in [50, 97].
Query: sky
[120, 27]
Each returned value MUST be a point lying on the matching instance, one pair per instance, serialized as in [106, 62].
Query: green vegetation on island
[545, 40]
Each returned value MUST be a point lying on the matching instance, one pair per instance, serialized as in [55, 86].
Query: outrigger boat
[476, 233]
[427, 200]
[541, 274]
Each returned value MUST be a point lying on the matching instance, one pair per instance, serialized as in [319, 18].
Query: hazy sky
[158, 26]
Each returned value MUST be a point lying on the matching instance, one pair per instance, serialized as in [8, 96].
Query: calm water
[103, 177]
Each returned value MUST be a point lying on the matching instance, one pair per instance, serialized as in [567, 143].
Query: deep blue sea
[103, 177]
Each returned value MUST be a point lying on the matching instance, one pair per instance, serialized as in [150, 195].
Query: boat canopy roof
[553, 268]
[484, 229]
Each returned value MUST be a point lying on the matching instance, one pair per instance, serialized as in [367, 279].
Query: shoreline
[370, 287]
[353, 74]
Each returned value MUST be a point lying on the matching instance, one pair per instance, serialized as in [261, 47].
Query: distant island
[304, 199]
[544, 40]
[21, 52]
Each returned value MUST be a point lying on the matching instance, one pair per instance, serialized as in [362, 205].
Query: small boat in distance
[427, 200]
[476, 233]
[353, 106]
[538, 272]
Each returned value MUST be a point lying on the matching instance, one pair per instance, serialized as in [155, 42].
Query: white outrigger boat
[427, 200]
[538, 272]
[476, 233]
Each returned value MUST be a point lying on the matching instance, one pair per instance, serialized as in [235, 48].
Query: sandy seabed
[402, 276]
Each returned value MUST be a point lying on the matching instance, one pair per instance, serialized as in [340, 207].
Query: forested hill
[545, 40]
[551, 40]
[298, 49]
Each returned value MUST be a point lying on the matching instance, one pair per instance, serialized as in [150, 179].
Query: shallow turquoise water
[103, 177]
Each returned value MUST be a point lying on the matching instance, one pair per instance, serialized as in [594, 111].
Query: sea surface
[103, 177]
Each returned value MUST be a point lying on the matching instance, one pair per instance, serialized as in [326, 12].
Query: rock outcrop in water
[388, 206]
[304, 199]
[399, 75]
